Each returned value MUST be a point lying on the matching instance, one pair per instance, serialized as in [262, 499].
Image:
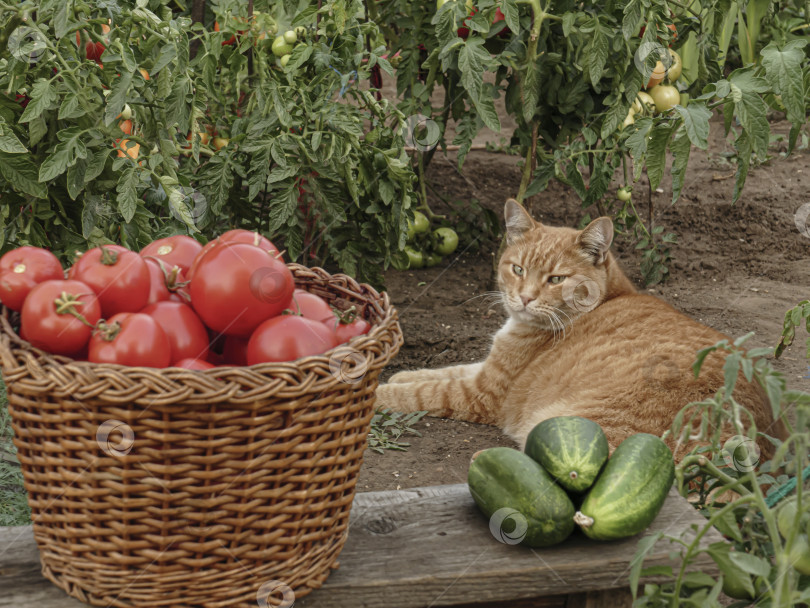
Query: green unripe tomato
[421, 223]
[126, 113]
[630, 119]
[285, 59]
[799, 556]
[433, 260]
[290, 37]
[415, 258]
[281, 47]
[301, 31]
[446, 240]
[624, 194]
[786, 515]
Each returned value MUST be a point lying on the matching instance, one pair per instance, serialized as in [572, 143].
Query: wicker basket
[167, 487]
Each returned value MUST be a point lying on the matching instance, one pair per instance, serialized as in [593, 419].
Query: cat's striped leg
[433, 375]
[464, 398]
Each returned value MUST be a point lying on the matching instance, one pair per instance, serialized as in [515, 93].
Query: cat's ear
[596, 238]
[517, 219]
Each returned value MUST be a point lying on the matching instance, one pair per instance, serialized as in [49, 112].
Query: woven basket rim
[375, 348]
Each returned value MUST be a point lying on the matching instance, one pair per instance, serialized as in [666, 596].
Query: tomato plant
[569, 76]
[70, 179]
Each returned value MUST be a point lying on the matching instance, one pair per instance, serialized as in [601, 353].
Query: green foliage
[795, 317]
[388, 427]
[737, 492]
[314, 160]
[569, 74]
[14, 509]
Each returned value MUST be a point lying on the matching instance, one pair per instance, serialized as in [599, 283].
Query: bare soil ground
[736, 268]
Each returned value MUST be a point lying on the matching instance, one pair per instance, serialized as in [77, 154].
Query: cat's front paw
[404, 377]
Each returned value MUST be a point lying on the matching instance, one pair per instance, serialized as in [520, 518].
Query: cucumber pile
[566, 463]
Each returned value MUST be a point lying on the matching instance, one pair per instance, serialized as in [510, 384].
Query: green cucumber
[572, 449]
[528, 507]
[630, 491]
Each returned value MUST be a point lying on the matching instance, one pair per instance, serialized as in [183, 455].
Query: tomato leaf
[596, 52]
[216, 181]
[486, 109]
[472, 59]
[75, 178]
[63, 155]
[750, 563]
[657, 154]
[73, 105]
[177, 106]
[613, 118]
[9, 143]
[696, 123]
[21, 173]
[95, 164]
[283, 207]
[117, 98]
[511, 14]
[127, 193]
[783, 69]
[42, 95]
[631, 23]
[744, 150]
[681, 148]
[644, 546]
[61, 23]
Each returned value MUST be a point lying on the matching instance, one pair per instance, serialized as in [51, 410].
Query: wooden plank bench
[427, 547]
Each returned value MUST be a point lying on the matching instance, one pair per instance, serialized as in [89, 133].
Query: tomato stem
[346, 316]
[66, 304]
[107, 331]
[108, 256]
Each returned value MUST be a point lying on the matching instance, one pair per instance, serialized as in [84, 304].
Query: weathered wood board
[425, 547]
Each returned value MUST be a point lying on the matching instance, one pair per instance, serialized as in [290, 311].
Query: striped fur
[589, 346]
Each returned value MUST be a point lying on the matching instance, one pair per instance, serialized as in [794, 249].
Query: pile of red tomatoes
[176, 303]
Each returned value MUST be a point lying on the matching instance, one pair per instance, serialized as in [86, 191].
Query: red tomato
[346, 331]
[164, 281]
[57, 316]
[120, 279]
[237, 286]
[130, 338]
[179, 250]
[197, 364]
[23, 268]
[310, 306]
[186, 333]
[79, 254]
[234, 236]
[287, 338]
[235, 351]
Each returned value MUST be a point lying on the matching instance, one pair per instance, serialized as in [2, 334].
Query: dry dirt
[737, 268]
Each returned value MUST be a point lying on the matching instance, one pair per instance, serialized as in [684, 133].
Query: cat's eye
[518, 270]
[556, 279]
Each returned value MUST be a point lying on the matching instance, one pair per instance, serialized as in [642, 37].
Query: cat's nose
[525, 299]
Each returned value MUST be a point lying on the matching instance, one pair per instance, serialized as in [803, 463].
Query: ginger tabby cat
[579, 341]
